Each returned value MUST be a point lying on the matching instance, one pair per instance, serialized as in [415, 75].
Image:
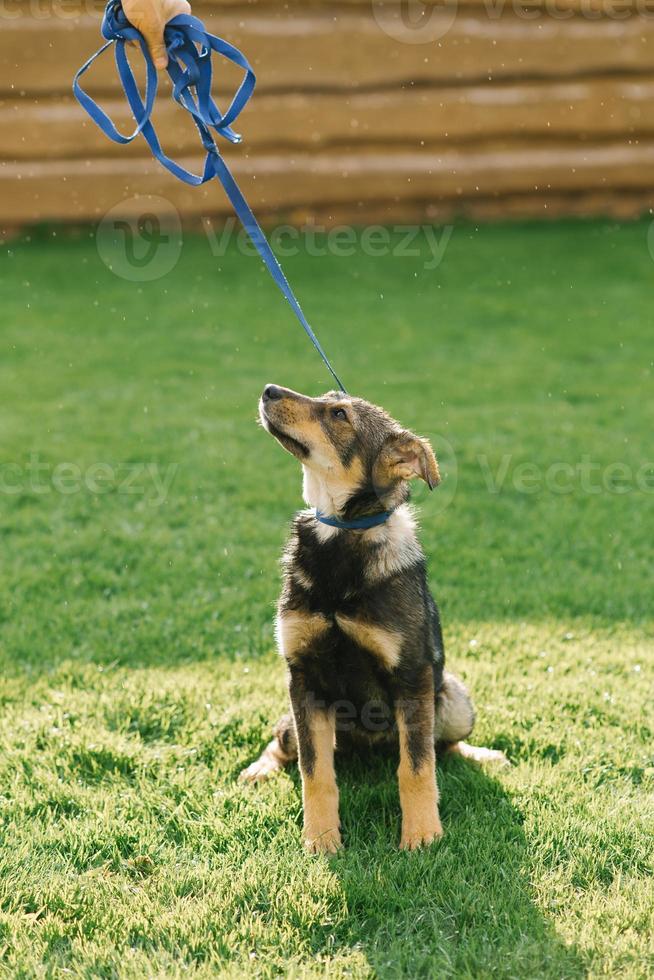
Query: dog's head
[351, 451]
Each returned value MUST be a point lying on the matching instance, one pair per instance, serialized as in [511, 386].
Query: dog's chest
[333, 579]
[338, 614]
[340, 669]
[352, 616]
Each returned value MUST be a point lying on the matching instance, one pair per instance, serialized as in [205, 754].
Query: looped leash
[189, 47]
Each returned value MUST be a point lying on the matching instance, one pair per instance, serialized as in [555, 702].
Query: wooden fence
[364, 109]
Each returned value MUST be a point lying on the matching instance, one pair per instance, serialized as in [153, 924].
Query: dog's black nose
[271, 393]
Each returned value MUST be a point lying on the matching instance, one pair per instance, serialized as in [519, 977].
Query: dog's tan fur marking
[421, 822]
[295, 631]
[329, 487]
[321, 833]
[383, 643]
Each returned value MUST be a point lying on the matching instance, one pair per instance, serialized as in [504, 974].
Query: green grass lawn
[138, 669]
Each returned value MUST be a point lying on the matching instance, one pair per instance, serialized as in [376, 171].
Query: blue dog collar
[357, 524]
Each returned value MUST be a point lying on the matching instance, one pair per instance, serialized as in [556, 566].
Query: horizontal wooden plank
[384, 10]
[348, 49]
[581, 109]
[77, 190]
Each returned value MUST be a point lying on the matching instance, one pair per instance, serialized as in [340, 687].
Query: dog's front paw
[322, 842]
[416, 835]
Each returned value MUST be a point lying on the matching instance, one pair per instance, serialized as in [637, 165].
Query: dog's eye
[339, 413]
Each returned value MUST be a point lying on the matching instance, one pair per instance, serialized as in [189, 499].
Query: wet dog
[356, 622]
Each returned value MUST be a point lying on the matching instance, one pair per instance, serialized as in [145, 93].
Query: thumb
[157, 50]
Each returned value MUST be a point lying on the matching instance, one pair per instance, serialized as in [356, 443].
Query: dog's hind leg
[277, 754]
[477, 753]
[455, 719]
[455, 715]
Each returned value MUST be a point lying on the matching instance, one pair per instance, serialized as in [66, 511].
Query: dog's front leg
[315, 729]
[414, 713]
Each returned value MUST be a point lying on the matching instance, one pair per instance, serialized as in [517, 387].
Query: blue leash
[190, 71]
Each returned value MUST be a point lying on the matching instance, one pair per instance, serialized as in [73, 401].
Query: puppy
[356, 622]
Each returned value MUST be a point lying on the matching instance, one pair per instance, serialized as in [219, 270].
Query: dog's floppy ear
[403, 456]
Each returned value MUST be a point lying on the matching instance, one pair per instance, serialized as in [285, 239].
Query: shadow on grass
[463, 908]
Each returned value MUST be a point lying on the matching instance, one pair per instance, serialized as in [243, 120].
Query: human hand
[150, 17]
